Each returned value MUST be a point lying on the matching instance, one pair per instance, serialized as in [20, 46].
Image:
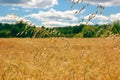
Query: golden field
[60, 59]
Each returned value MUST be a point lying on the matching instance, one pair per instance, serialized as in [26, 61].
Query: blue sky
[52, 13]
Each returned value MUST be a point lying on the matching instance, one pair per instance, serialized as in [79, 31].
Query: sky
[57, 13]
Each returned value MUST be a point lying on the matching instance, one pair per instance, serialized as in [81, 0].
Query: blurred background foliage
[22, 30]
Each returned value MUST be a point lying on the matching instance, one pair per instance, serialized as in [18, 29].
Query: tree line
[22, 29]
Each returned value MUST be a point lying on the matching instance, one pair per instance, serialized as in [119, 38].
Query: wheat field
[60, 58]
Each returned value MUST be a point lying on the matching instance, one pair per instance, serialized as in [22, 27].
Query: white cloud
[57, 23]
[10, 18]
[55, 18]
[114, 17]
[30, 3]
[105, 2]
[102, 2]
[98, 17]
[102, 22]
[102, 19]
[89, 23]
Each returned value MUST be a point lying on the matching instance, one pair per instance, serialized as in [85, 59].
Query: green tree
[89, 31]
[77, 29]
[14, 32]
[116, 27]
[5, 34]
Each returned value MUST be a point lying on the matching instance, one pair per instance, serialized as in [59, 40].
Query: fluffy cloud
[98, 17]
[55, 18]
[30, 3]
[89, 23]
[114, 17]
[10, 18]
[111, 18]
[101, 17]
[102, 2]
[59, 18]
[57, 23]
[102, 22]
[105, 2]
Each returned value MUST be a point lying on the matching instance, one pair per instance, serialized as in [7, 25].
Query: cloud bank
[55, 18]
[10, 18]
[30, 3]
[102, 2]
[105, 2]
[50, 3]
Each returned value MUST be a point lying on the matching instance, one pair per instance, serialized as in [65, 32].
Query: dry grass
[60, 59]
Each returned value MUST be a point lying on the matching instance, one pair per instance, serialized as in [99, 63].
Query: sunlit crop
[60, 59]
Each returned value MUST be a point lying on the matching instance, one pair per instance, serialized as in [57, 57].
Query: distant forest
[24, 30]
